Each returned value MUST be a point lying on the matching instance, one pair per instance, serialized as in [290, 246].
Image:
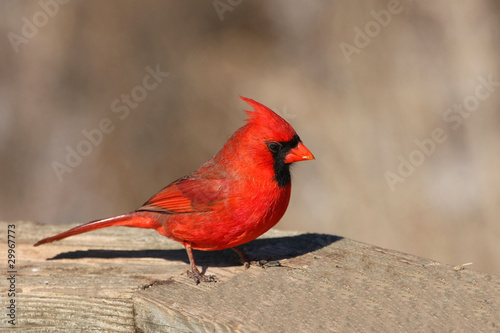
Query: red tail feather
[135, 220]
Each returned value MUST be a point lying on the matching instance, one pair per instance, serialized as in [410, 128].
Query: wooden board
[98, 281]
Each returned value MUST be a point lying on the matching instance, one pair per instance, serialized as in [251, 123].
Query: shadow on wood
[276, 248]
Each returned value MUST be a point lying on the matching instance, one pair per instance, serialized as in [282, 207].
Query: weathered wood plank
[86, 282]
[346, 286]
[96, 281]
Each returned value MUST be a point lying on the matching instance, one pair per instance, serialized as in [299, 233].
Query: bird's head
[269, 142]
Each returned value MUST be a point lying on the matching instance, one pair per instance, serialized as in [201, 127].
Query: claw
[198, 277]
[195, 273]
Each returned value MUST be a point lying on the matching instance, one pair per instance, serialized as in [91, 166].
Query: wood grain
[98, 282]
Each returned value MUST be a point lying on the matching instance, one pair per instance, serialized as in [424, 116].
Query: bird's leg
[195, 273]
[246, 261]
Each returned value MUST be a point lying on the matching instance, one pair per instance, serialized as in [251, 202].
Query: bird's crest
[264, 117]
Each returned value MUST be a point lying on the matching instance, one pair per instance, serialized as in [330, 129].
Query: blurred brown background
[359, 80]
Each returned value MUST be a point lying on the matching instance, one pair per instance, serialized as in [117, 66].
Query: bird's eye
[274, 146]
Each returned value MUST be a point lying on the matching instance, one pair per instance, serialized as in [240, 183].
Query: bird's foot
[198, 277]
[195, 273]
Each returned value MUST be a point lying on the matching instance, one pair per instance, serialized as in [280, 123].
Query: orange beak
[299, 153]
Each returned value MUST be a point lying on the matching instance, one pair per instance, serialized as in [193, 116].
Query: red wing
[188, 195]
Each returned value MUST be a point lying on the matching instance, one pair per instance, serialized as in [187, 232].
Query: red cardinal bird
[235, 197]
